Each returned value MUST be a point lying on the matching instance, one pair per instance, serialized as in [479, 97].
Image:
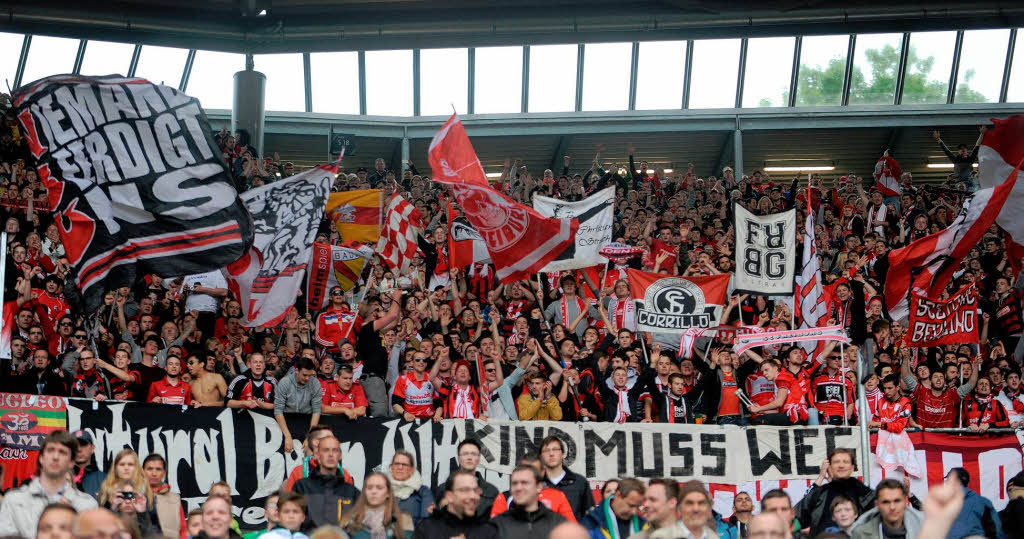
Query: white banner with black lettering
[596, 216]
[765, 252]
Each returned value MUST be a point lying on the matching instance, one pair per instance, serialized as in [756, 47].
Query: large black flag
[136, 182]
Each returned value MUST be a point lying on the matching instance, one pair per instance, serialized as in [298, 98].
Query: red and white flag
[465, 244]
[519, 240]
[887, 176]
[809, 296]
[927, 264]
[935, 322]
[285, 216]
[1002, 148]
[402, 228]
[669, 304]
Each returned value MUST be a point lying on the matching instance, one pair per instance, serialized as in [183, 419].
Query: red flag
[934, 257]
[1001, 150]
[670, 304]
[887, 176]
[520, 240]
[938, 322]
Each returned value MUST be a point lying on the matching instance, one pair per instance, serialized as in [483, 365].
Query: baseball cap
[82, 436]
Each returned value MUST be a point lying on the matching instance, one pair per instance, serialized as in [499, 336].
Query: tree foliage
[822, 86]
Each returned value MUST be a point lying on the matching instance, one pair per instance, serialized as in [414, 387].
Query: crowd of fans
[443, 342]
[70, 497]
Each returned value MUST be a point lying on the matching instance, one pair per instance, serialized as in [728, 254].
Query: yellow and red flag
[357, 214]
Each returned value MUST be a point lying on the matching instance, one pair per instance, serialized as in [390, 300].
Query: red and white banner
[465, 244]
[828, 333]
[722, 332]
[673, 304]
[520, 240]
[938, 322]
[810, 300]
[887, 176]
[928, 264]
[333, 265]
[285, 216]
[402, 228]
[1002, 149]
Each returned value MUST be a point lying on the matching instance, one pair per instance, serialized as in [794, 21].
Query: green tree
[818, 86]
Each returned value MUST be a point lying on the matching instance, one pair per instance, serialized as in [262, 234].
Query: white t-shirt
[204, 302]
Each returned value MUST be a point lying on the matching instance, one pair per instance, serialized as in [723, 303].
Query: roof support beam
[186, 73]
[794, 75]
[901, 69]
[634, 66]
[954, 72]
[133, 64]
[1005, 88]
[307, 77]
[851, 48]
[741, 73]
[77, 68]
[362, 82]
[22, 58]
[580, 51]
[687, 74]
[525, 105]
[471, 80]
[560, 151]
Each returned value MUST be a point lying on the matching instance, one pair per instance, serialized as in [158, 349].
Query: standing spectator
[618, 516]
[21, 508]
[556, 475]
[459, 515]
[414, 498]
[208, 387]
[844, 514]
[253, 388]
[936, 404]
[813, 511]
[329, 497]
[982, 411]
[171, 390]
[167, 508]
[526, 515]
[299, 392]
[374, 356]
[413, 392]
[891, 516]
[539, 404]
[344, 397]
[963, 162]
[1012, 398]
[977, 517]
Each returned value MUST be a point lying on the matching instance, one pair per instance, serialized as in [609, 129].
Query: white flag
[765, 252]
[595, 214]
[813, 311]
[286, 215]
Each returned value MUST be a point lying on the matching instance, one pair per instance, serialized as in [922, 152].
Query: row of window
[552, 72]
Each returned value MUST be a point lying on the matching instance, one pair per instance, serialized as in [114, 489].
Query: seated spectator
[661, 502]
[291, 511]
[891, 516]
[459, 514]
[552, 498]
[376, 512]
[21, 508]
[618, 516]
[309, 462]
[132, 506]
[777, 502]
[56, 522]
[328, 496]
[526, 515]
[813, 511]
[414, 498]
[88, 476]
[216, 519]
[99, 522]
[844, 514]
[273, 516]
[978, 516]
[170, 516]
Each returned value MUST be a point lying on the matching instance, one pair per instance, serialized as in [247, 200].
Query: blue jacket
[724, 529]
[597, 524]
[978, 517]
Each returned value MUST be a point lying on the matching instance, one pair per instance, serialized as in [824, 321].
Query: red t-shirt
[730, 403]
[179, 393]
[353, 398]
[786, 380]
[417, 394]
[936, 412]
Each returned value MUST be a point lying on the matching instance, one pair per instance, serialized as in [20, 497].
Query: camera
[128, 495]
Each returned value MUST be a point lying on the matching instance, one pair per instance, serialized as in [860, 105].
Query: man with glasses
[336, 322]
[556, 475]
[459, 515]
[413, 396]
[88, 381]
[827, 392]
[21, 507]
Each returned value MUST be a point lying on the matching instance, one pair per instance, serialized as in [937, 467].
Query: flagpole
[865, 435]
[842, 374]
[547, 323]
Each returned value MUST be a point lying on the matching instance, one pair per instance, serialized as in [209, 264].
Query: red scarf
[565, 310]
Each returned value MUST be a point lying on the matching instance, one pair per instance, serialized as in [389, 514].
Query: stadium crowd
[562, 347]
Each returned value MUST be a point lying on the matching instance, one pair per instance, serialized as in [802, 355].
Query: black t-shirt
[371, 351]
[147, 375]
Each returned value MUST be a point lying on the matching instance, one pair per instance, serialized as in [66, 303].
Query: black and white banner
[244, 448]
[596, 216]
[765, 252]
[135, 179]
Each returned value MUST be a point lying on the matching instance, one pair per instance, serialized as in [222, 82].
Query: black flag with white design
[136, 182]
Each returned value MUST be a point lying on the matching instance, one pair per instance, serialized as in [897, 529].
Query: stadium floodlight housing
[801, 168]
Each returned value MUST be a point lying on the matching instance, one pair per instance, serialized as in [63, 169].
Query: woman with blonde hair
[376, 514]
[126, 467]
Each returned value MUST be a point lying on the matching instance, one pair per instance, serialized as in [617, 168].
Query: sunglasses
[68, 324]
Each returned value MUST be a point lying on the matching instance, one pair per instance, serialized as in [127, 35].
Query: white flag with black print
[765, 252]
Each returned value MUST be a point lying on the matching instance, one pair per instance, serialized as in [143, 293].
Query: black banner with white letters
[244, 448]
[136, 181]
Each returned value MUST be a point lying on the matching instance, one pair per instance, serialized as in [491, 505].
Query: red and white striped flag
[927, 265]
[887, 176]
[403, 225]
[520, 240]
[811, 300]
[1002, 148]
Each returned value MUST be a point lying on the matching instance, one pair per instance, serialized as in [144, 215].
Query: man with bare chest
[208, 388]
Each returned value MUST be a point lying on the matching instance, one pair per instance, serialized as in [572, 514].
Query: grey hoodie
[867, 525]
